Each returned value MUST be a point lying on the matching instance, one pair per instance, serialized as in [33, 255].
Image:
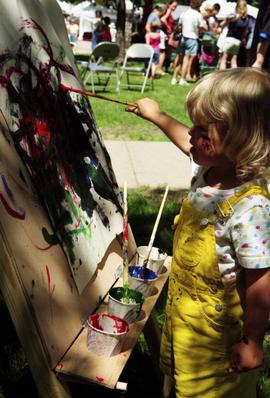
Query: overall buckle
[224, 209]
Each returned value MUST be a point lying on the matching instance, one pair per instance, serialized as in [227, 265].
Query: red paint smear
[53, 289]
[43, 130]
[48, 276]
[11, 212]
[125, 228]
[75, 90]
[100, 379]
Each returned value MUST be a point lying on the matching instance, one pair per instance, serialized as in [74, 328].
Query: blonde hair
[241, 8]
[237, 102]
[207, 9]
[154, 26]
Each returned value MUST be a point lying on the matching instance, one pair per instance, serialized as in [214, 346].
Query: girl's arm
[147, 38]
[248, 354]
[148, 27]
[176, 131]
[224, 23]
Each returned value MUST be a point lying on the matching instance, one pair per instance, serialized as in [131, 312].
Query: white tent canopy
[85, 12]
[86, 9]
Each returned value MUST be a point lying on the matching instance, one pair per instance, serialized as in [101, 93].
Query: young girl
[153, 39]
[219, 289]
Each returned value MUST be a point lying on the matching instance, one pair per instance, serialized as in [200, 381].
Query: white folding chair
[98, 67]
[141, 56]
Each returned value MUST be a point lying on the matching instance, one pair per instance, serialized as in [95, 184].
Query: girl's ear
[207, 147]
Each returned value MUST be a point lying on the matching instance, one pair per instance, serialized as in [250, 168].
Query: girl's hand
[146, 108]
[246, 355]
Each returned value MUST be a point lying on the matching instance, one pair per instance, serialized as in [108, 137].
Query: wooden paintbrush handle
[153, 235]
[90, 94]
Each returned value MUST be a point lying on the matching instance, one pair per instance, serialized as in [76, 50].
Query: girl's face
[207, 146]
[173, 5]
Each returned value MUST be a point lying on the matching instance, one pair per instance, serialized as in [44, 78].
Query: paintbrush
[153, 235]
[125, 247]
[90, 94]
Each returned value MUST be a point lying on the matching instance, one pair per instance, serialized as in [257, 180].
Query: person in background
[113, 31]
[193, 24]
[155, 16]
[98, 26]
[262, 36]
[236, 35]
[209, 11]
[167, 25]
[73, 31]
[249, 39]
[208, 41]
[106, 32]
[219, 288]
[178, 60]
[153, 39]
[167, 19]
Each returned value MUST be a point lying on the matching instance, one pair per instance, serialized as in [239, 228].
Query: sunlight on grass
[115, 123]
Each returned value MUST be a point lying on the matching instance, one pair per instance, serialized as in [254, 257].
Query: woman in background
[237, 32]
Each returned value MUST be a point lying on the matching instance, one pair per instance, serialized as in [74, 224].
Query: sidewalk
[153, 164]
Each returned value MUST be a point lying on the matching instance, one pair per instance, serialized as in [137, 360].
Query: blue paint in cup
[140, 278]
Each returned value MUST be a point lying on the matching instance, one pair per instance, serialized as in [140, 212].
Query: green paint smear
[71, 204]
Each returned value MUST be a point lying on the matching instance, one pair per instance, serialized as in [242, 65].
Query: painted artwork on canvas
[55, 135]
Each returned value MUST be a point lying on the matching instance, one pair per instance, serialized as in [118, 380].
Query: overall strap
[225, 208]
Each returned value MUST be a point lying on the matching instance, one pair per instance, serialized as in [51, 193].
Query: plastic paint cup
[128, 311]
[141, 278]
[156, 259]
[106, 334]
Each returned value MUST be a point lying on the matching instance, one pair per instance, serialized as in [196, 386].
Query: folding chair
[142, 56]
[97, 65]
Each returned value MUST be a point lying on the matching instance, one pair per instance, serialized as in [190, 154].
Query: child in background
[73, 31]
[219, 289]
[153, 39]
[106, 32]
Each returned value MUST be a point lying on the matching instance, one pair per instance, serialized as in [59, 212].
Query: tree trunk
[147, 10]
[121, 26]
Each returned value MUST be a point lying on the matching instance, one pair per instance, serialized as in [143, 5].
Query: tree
[121, 25]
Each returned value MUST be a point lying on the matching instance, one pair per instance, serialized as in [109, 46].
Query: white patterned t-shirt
[244, 240]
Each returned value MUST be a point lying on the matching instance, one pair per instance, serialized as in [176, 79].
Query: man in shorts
[193, 24]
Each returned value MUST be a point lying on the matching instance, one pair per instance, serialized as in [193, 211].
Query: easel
[47, 381]
[48, 384]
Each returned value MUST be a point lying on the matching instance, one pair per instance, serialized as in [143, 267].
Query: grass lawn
[116, 124]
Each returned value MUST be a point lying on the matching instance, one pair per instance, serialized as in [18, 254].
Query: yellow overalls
[204, 317]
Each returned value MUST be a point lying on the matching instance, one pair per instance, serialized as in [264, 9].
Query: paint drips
[56, 137]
